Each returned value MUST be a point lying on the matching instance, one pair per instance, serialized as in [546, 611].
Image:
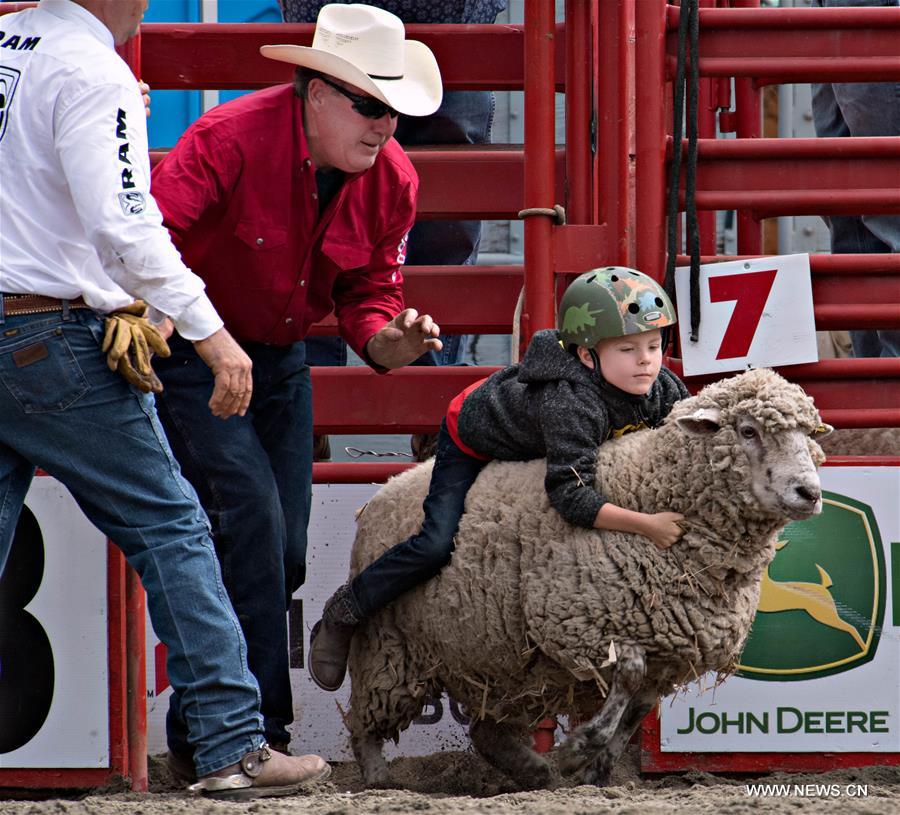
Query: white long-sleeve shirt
[76, 214]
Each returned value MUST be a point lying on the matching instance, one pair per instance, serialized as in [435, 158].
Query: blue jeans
[63, 410]
[253, 474]
[422, 556]
[861, 109]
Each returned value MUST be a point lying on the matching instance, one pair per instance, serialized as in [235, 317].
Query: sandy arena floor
[454, 783]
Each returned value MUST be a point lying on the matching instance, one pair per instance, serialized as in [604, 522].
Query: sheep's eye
[748, 432]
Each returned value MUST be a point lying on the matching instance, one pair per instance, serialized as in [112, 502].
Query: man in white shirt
[80, 236]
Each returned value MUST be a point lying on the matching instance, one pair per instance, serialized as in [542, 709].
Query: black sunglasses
[367, 106]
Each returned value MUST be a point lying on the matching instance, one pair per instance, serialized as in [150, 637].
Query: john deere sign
[824, 594]
[819, 668]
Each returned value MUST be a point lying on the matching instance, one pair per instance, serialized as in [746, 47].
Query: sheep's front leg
[368, 751]
[503, 746]
[384, 694]
[590, 747]
[598, 773]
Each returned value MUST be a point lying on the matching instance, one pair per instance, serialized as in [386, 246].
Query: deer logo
[822, 598]
[813, 598]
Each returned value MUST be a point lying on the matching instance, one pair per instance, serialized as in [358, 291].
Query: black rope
[688, 27]
[693, 228]
[672, 222]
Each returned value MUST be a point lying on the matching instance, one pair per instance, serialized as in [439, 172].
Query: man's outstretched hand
[404, 339]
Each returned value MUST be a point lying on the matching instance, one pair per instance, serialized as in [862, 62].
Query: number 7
[750, 291]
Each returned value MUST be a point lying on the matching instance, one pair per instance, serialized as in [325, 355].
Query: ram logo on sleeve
[9, 80]
[133, 203]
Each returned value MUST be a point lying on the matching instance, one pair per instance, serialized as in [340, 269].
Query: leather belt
[14, 304]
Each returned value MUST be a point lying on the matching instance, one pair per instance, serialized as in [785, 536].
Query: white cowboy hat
[366, 47]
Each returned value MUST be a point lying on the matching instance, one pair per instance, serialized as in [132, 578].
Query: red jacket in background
[238, 194]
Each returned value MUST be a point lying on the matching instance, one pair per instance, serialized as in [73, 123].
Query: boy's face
[630, 363]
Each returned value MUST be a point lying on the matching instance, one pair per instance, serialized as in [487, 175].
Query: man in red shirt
[290, 202]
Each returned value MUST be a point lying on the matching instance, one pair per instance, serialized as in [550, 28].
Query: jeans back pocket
[42, 373]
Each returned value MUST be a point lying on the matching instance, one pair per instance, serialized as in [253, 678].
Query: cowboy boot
[263, 773]
[329, 642]
[181, 764]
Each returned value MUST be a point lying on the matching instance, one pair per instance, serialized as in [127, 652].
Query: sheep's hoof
[535, 776]
[597, 775]
[379, 779]
[381, 783]
[369, 757]
[571, 755]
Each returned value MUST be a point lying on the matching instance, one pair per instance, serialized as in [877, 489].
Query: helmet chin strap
[595, 359]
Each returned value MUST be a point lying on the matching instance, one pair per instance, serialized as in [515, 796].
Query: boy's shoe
[329, 642]
[263, 773]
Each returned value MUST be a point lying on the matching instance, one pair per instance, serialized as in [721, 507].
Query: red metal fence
[615, 60]
[613, 191]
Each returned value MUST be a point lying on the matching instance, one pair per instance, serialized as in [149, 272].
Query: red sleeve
[197, 174]
[365, 301]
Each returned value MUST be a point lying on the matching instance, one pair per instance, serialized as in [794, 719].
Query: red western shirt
[238, 194]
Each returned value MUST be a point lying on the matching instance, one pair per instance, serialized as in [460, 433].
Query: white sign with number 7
[754, 314]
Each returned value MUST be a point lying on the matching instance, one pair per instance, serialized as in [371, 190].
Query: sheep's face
[781, 466]
[783, 473]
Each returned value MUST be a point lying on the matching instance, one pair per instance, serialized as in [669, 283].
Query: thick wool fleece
[520, 623]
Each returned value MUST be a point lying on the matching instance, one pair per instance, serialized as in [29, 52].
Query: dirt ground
[457, 783]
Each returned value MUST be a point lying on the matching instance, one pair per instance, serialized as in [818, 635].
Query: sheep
[534, 617]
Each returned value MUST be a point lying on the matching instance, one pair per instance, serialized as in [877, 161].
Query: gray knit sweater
[551, 406]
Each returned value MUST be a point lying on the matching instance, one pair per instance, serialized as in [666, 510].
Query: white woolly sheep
[521, 623]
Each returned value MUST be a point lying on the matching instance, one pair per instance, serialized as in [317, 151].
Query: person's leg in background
[859, 109]
[324, 351]
[283, 423]
[464, 117]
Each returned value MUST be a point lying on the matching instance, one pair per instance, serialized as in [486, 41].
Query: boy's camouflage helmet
[612, 302]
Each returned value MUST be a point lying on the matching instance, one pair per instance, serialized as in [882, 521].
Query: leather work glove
[129, 342]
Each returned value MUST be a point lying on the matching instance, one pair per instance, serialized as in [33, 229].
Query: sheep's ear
[702, 422]
[821, 431]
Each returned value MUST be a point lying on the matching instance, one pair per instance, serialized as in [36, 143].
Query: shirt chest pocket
[346, 255]
[263, 254]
